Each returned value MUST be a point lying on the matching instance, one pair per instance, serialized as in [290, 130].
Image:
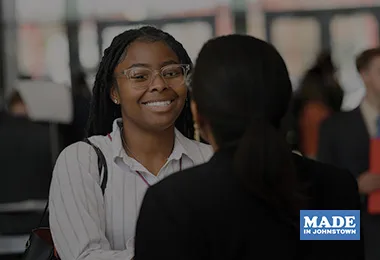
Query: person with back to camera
[245, 202]
[318, 97]
[140, 119]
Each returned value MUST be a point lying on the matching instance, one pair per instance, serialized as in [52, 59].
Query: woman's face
[152, 105]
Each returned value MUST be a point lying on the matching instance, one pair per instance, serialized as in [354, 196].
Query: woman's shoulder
[206, 148]
[103, 142]
[198, 151]
[77, 167]
[82, 154]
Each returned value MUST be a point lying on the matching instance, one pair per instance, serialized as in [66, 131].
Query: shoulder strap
[102, 164]
[54, 150]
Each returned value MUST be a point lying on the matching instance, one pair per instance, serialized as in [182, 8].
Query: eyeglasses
[173, 75]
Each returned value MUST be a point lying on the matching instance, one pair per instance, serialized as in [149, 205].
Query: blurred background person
[344, 142]
[318, 97]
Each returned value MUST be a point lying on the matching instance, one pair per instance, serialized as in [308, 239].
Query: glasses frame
[186, 68]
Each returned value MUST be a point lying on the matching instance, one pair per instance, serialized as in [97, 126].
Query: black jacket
[203, 213]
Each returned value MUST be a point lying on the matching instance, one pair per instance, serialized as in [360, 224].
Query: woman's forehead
[151, 54]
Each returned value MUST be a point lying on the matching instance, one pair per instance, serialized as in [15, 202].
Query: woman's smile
[160, 105]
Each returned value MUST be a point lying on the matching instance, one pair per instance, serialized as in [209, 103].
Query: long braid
[103, 111]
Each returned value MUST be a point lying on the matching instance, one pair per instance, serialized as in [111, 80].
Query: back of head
[368, 66]
[364, 59]
[242, 88]
[320, 84]
[325, 63]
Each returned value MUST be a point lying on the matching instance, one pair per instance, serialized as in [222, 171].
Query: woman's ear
[114, 95]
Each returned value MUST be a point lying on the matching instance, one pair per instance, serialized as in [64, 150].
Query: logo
[330, 225]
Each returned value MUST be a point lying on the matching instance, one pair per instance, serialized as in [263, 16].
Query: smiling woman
[141, 120]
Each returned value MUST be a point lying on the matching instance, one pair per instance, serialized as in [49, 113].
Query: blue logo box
[330, 225]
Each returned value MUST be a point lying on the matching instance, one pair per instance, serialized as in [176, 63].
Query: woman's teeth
[159, 103]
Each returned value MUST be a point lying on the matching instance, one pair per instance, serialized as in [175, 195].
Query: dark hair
[242, 88]
[103, 110]
[366, 57]
[324, 63]
[319, 84]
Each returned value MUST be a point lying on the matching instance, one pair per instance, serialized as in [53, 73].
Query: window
[57, 58]
[88, 45]
[298, 41]
[43, 52]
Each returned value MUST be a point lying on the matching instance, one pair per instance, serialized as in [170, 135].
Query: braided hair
[103, 111]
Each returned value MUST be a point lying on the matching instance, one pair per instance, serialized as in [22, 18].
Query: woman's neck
[150, 148]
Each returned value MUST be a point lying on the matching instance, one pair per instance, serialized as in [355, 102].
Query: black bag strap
[102, 166]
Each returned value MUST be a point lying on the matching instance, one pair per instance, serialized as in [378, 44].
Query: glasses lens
[174, 75]
[140, 77]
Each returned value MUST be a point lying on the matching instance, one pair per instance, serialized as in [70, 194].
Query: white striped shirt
[87, 225]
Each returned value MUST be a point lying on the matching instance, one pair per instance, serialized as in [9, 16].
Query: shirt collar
[181, 144]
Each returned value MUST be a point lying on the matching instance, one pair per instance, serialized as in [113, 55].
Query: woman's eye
[139, 76]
